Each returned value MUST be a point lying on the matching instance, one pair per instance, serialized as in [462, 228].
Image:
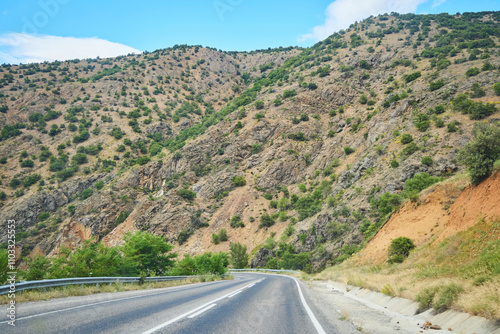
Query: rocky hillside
[300, 154]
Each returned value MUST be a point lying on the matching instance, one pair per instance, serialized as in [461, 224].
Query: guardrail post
[97, 285]
[82, 286]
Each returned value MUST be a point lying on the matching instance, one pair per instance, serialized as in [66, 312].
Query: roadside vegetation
[461, 272]
[142, 255]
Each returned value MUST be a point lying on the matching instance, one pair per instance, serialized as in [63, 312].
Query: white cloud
[342, 13]
[438, 3]
[18, 48]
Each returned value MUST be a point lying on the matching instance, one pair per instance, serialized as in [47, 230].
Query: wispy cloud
[18, 48]
[342, 13]
[438, 3]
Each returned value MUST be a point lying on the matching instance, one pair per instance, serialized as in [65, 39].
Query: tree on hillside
[480, 154]
[91, 259]
[38, 267]
[147, 253]
[239, 256]
[4, 260]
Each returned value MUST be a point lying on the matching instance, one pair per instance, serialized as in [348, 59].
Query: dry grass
[470, 259]
[77, 290]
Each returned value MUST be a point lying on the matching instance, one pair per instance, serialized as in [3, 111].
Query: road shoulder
[375, 312]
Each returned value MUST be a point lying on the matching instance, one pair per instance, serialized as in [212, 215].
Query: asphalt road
[251, 303]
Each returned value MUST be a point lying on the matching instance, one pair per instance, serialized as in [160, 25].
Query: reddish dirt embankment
[438, 214]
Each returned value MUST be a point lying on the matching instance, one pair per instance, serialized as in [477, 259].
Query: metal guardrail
[48, 283]
[270, 270]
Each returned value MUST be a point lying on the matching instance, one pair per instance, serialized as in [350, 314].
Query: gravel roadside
[372, 312]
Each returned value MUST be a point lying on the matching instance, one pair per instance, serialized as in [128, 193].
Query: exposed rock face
[25, 211]
[348, 177]
[214, 185]
[161, 128]
[260, 259]
[73, 188]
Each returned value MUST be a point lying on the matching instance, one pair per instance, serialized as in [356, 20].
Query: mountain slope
[313, 148]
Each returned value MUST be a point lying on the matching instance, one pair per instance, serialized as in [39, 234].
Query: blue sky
[33, 30]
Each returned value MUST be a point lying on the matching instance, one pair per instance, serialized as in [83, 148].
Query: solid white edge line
[165, 324]
[201, 311]
[310, 313]
[315, 321]
[104, 302]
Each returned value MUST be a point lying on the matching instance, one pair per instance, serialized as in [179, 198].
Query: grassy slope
[461, 272]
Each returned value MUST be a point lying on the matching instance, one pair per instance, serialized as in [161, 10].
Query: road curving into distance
[251, 303]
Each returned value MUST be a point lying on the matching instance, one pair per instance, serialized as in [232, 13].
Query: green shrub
[439, 109]
[28, 163]
[268, 196]
[348, 150]
[386, 204]
[427, 161]
[477, 91]
[419, 182]
[410, 149]
[215, 239]
[413, 76]
[79, 158]
[99, 184]
[71, 209]
[363, 99]
[364, 65]
[480, 154]
[312, 86]
[223, 235]
[435, 85]
[425, 298]
[439, 122]
[238, 255]
[422, 122]
[400, 249]
[496, 88]
[259, 105]
[186, 194]
[394, 163]
[86, 193]
[406, 138]
[256, 148]
[239, 181]
[289, 93]
[266, 221]
[31, 180]
[302, 187]
[236, 222]
[43, 216]
[184, 236]
[452, 127]
[496, 165]
[447, 295]
[473, 71]
[121, 217]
